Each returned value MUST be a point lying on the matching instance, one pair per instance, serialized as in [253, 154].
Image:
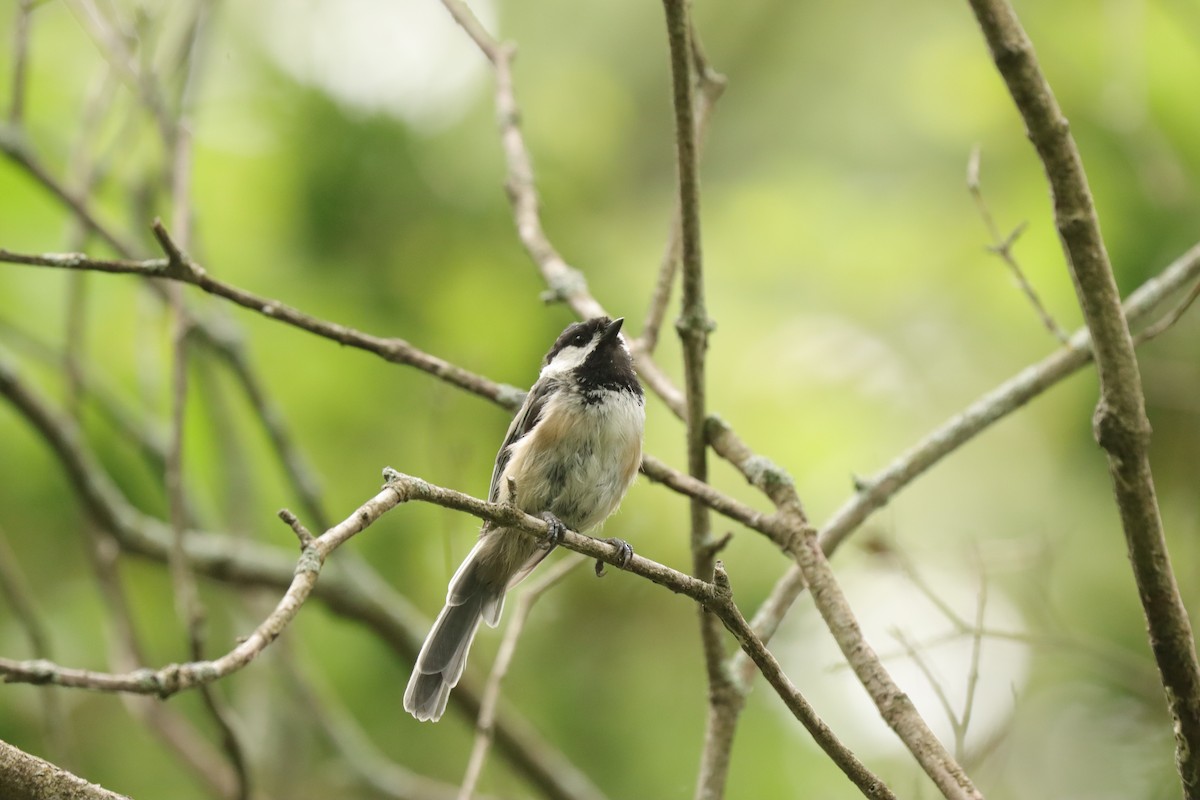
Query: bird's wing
[525, 420]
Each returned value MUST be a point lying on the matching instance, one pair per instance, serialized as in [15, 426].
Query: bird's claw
[625, 558]
[555, 530]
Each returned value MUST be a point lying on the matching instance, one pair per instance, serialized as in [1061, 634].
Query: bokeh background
[346, 162]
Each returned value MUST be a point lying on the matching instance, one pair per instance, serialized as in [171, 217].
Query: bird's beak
[612, 331]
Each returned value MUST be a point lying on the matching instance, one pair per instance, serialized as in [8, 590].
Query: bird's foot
[555, 530]
[624, 559]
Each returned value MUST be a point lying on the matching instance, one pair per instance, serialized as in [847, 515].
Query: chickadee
[570, 455]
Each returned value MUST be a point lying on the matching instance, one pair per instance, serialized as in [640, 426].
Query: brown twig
[894, 705]
[354, 747]
[755, 650]
[1002, 247]
[396, 351]
[14, 588]
[175, 678]
[508, 648]
[1120, 424]
[171, 728]
[710, 84]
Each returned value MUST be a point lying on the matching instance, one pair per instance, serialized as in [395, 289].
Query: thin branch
[355, 748]
[964, 722]
[14, 145]
[111, 44]
[1153, 331]
[400, 488]
[187, 596]
[175, 678]
[710, 84]
[914, 655]
[508, 648]
[870, 785]
[20, 60]
[1120, 424]
[998, 403]
[23, 610]
[894, 705]
[299, 472]
[396, 351]
[171, 728]
[1002, 247]
[715, 597]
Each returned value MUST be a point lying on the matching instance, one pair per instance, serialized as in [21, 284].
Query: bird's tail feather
[444, 653]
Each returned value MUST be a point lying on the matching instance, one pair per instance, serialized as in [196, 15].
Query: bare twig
[175, 678]
[171, 728]
[356, 749]
[894, 705]
[1002, 247]
[14, 145]
[15, 590]
[394, 350]
[710, 84]
[964, 721]
[302, 533]
[1152, 331]
[300, 473]
[1120, 424]
[20, 60]
[112, 46]
[867, 783]
[504, 657]
[914, 655]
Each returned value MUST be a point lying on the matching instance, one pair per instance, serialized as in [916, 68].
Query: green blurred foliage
[856, 304]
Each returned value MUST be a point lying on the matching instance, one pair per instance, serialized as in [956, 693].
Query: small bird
[571, 453]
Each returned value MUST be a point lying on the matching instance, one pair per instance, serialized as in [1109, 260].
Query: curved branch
[178, 677]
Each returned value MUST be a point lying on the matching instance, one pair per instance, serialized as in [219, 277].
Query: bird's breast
[580, 459]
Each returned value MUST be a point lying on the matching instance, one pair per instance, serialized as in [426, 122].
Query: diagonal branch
[184, 269]
[877, 491]
[894, 705]
[1120, 424]
[1002, 247]
[393, 350]
[27, 777]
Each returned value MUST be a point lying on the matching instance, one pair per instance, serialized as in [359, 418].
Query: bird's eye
[580, 339]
